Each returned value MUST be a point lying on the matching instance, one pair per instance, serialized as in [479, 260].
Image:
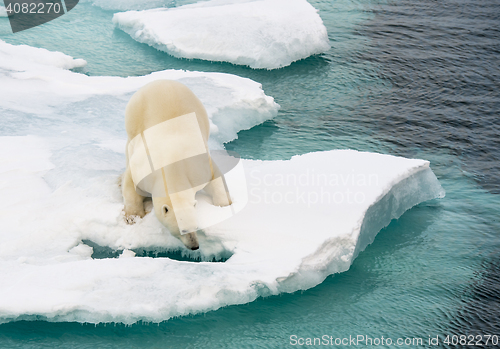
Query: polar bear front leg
[217, 188]
[134, 203]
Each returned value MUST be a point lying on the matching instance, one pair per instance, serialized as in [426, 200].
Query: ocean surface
[418, 79]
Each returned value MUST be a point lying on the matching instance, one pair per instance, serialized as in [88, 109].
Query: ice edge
[417, 186]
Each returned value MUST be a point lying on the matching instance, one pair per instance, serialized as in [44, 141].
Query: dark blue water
[411, 78]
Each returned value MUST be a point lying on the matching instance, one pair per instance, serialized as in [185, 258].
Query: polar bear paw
[222, 200]
[132, 219]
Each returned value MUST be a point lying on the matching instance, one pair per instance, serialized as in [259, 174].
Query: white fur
[156, 103]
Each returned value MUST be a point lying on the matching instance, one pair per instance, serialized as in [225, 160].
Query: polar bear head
[179, 220]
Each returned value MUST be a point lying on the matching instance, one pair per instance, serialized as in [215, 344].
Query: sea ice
[305, 219]
[61, 155]
[261, 34]
[233, 103]
[14, 57]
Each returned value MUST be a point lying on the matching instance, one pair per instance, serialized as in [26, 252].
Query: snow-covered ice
[306, 218]
[61, 154]
[266, 34]
[14, 57]
[232, 102]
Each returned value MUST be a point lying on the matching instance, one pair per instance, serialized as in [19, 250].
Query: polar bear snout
[190, 241]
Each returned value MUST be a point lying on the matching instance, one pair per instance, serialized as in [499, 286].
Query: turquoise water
[416, 79]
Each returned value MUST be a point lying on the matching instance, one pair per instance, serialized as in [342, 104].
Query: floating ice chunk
[14, 57]
[127, 254]
[3, 11]
[232, 103]
[84, 251]
[305, 219]
[261, 34]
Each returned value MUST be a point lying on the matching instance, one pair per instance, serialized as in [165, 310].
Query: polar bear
[168, 158]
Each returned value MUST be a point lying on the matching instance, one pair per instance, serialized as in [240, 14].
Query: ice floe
[14, 57]
[233, 103]
[61, 154]
[261, 34]
[305, 218]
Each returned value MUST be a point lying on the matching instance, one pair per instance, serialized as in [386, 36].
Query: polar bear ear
[164, 209]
